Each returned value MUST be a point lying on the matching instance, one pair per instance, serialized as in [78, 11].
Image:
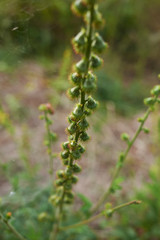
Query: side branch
[125, 154]
[103, 213]
[10, 227]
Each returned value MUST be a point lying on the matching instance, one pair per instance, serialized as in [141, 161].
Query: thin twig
[13, 230]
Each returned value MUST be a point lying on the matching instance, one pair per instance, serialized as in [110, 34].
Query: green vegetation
[42, 201]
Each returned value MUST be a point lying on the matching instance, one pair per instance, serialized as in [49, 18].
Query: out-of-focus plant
[88, 42]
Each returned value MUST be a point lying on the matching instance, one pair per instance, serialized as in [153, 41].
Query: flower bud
[109, 213]
[81, 66]
[145, 130]
[8, 215]
[91, 103]
[76, 78]
[70, 194]
[87, 112]
[149, 101]
[46, 108]
[73, 144]
[76, 168]
[65, 162]
[98, 20]
[65, 154]
[72, 128]
[68, 185]
[83, 124]
[74, 179]
[156, 90]
[59, 182]
[78, 112]
[76, 154]
[71, 119]
[79, 41]
[65, 145]
[95, 61]
[84, 136]
[74, 92]
[68, 171]
[60, 173]
[89, 83]
[125, 137]
[81, 148]
[79, 7]
[98, 44]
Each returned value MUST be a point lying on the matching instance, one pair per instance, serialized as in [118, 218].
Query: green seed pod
[98, 44]
[81, 148]
[78, 112]
[83, 124]
[59, 182]
[65, 145]
[76, 168]
[74, 92]
[79, 41]
[76, 78]
[91, 103]
[79, 7]
[81, 66]
[65, 162]
[68, 171]
[60, 173]
[76, 154]
[95, 61]
[90, 83]
[72, 128]
[84, 136]
[156, 90]
[74, 179]
[65, 154]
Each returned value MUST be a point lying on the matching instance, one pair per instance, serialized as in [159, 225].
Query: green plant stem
[82, 101]
[56, 228]
[118, 168]
[49, 146]
[9, 225]
[99, 215]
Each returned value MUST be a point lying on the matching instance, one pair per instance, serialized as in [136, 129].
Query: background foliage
[40, 31]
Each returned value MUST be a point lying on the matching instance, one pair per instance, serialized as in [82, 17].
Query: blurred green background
[35, 61]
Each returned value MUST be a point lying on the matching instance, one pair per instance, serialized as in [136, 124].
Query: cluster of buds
[88, 43]
[51, 137]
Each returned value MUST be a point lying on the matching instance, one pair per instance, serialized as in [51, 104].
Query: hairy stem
[10, 227]
[49, 146]
[118, 168]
